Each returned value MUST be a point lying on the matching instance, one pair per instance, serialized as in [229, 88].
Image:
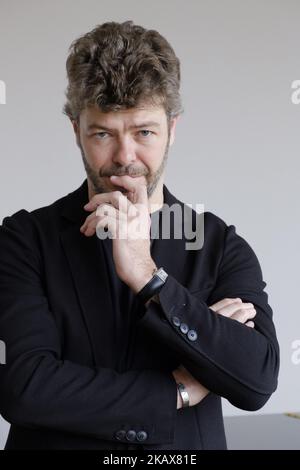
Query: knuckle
[117, 194]
[89, 218]
[249, 313]
[100, 209]
[100, 224]
[97, 202]
[246, 306]
[93, 199]
[106, 207]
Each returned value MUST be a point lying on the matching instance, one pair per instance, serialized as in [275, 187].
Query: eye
[146, 130]
[101, 135]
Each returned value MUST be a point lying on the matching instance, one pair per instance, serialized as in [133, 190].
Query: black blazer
[60, 388]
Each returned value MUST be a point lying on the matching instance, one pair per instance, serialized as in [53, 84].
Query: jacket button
[192, 335]
[141, 436]
[120, 435]
[130, 435]
[176, 321]
[184, 328]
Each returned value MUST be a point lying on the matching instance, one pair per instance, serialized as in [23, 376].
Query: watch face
[161, 273]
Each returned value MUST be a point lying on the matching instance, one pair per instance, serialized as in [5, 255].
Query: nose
[124, 153]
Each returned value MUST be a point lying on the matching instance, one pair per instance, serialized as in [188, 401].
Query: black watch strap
[153, 286]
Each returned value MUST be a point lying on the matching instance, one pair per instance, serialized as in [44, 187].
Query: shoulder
[214, 222]
[223, 237]
[36, 216]
[32, 224]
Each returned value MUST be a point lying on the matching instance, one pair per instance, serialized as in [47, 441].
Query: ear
[173, 128]
[76, 129]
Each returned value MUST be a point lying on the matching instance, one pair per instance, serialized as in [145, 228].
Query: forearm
[227, 357]
[40, 391]
[195, 391]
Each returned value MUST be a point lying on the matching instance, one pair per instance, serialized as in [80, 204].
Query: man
[117, 342]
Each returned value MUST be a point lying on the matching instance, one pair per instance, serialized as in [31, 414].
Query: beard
[97, 178]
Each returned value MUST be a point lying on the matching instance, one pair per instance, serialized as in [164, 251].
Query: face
[132, 142]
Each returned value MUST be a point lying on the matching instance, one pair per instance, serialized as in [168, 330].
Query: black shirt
[126, 306]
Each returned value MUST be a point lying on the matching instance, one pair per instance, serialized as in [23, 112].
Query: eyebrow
[136, 126]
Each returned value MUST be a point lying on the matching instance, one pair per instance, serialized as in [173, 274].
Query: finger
[243, 315]
[107, 213]
[115, 198]
[88, 221]
[229, 310]
[107, 209]
[103, 211]
[89, 229]
[223, 303]
[250, 324]
[108, 222]
[136, 187]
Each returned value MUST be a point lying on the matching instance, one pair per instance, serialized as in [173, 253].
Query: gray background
[237, 144]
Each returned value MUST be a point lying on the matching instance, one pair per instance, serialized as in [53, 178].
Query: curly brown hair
[119, 66]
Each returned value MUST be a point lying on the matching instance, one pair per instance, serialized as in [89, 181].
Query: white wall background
[237, 147]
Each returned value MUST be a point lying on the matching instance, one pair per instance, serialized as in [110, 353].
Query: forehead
[123, 118]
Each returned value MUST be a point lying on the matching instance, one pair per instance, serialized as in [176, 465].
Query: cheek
[93, 152]
[152, 157]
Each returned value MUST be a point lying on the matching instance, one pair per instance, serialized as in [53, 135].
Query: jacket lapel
[88, 268]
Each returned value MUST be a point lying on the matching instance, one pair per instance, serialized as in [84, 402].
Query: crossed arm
[235, 309]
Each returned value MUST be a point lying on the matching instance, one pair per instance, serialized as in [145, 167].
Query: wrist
[143, 277]
[153, 287]
[184, 395]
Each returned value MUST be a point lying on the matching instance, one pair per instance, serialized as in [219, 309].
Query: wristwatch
[184, 395]
[153, 287]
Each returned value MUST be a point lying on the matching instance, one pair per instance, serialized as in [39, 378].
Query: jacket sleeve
[229, 358]
[38, 388]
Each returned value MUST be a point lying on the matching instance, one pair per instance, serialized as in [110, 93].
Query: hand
[128, 220]
[194, 388]
[235, 309]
